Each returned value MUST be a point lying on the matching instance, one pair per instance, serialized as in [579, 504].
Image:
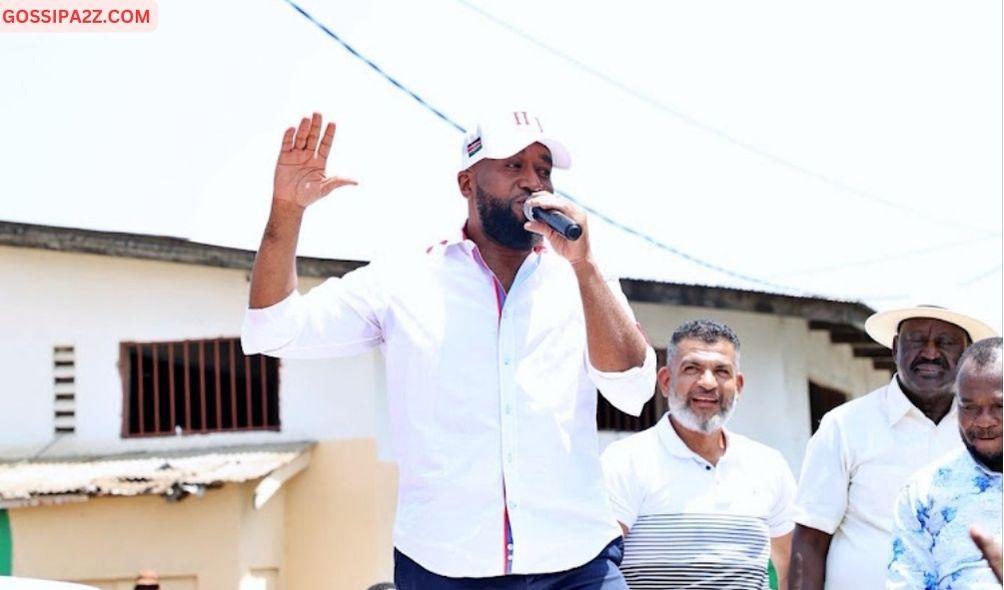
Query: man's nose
[988, 418]
[530, 180]
[708, 380]
[930, 350]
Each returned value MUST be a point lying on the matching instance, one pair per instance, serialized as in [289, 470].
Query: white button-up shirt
[693, 523]
[855, 464]
[492, 402]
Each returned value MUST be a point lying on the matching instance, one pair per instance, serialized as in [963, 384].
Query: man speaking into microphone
[495, 343]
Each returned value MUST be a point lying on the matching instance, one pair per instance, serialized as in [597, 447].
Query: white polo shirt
[855, 465]
[693, 524]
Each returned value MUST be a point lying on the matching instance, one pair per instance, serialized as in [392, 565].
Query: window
[610, 418]
[822, 400]
[197, 386]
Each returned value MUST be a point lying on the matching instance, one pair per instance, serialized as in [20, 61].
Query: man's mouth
[929, 369]
[704, 401]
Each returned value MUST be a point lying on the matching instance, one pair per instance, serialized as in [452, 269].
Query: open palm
[299, 173]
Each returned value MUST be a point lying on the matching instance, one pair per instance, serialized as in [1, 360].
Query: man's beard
[992, 461]
[501, 225]
[691, 420]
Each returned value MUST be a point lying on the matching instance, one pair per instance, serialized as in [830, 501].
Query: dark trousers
[600, 573]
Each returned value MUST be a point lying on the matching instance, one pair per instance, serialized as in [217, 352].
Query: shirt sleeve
[339, 317]
[780, 521]
[911, 564]
[821, 500]
[623, 487]
[629, 390]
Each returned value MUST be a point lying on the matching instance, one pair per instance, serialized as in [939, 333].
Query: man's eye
[544, 173]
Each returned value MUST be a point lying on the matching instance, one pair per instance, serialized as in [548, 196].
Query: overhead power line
[722, 135]
[450, 121]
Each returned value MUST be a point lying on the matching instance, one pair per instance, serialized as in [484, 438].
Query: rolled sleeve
[627, 390]
[340, 317]
[821, 501]
[270, 328]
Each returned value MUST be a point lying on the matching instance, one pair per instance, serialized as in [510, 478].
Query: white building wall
[96, 302]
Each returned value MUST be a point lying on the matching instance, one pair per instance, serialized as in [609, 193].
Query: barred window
[610, 418]
[197, 386]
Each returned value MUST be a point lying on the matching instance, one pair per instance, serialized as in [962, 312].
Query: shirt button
[514, 505]
[508, 409]
[509, 547]
[508, 457]
[506, 362]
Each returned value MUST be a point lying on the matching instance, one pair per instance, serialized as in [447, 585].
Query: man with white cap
[494, 348]
[866, 449]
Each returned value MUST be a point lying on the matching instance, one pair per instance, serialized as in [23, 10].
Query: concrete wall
[96, 302]
[216, 539]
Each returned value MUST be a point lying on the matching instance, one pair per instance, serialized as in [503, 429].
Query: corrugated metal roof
[164, 473]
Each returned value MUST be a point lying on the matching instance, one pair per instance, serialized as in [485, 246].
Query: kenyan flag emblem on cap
[474, 147]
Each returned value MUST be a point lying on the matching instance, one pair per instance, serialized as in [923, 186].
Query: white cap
[507, 133]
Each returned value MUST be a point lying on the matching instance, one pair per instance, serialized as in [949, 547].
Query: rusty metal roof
[172, 474]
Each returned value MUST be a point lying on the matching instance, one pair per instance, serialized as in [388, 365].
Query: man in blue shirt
[932, 547]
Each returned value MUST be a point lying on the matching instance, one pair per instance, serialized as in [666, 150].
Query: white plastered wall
[96, 302]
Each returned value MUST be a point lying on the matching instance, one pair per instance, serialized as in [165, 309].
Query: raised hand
[299, 173]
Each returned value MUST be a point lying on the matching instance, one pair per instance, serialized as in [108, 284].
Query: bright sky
[850, 149]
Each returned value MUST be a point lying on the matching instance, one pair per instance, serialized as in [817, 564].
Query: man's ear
[740, 383]
[465, 182]
[662, 378]
[895, 345]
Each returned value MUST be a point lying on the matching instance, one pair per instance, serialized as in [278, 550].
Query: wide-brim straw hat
[884, 326]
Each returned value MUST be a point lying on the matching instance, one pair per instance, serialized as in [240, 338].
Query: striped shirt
[692, 524]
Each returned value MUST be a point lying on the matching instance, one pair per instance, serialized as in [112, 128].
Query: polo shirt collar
[675, 445]
[898, 405]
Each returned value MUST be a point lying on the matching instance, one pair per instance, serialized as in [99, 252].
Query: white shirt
[694, 524]
[931, 545]
[492, 402]
[855, 464]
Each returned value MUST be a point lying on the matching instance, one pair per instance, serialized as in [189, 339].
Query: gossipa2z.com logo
[87, 16]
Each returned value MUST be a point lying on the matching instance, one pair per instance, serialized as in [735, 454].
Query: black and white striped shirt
[693, 524]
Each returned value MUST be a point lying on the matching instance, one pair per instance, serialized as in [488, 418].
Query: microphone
[556, 220]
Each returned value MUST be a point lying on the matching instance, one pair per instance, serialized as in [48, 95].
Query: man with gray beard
[701, 506]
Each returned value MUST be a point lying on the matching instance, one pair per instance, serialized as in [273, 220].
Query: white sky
[747, 134]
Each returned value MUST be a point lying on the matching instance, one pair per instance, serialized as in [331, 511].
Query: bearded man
[700, 506]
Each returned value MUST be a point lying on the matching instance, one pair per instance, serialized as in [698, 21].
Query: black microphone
[556, 220]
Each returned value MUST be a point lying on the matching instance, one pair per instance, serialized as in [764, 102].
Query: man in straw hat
[866, 449]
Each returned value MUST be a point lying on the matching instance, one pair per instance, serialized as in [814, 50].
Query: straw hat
[884, 326]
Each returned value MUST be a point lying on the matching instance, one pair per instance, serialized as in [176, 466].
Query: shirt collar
[675, 445]
[898, 405]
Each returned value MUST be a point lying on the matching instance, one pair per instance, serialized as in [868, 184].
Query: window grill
[197, 386]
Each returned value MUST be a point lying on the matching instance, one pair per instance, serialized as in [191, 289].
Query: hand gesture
[990, 549]
[299, 173]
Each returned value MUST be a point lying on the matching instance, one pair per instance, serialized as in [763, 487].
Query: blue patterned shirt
[931, 547]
